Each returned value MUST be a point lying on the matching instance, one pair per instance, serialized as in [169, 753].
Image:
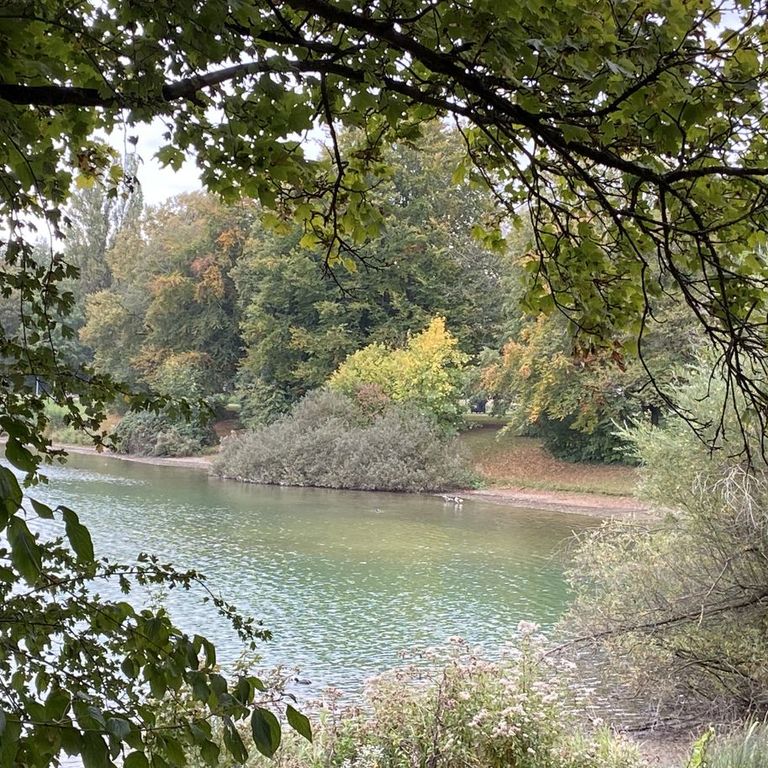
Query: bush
[600, 444]
[260, 403]
[329, 441]
[455, 707]
[59, 429]
[146, 433]
[427, 373]
[681, 603]
[746, 748]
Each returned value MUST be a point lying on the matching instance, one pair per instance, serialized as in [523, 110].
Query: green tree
[297, 328]
[576, 398]
[633, 135]
[171, 298]
[93, 220]
[426, 373]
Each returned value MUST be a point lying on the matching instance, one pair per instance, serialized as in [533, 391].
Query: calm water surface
[345, 580]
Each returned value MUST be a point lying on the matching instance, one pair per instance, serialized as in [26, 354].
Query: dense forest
[230, 305]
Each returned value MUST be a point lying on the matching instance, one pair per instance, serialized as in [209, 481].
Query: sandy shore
[190, 462]
[592, 504]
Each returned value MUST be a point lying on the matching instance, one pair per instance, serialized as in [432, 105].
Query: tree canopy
[633, 134]
[426, 373]
[297, 328]
[170, 302]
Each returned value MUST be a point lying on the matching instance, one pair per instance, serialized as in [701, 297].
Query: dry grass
[509, 461]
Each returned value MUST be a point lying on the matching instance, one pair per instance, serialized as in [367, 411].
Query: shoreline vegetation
[593, 504]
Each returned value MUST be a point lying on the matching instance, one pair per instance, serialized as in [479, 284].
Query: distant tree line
[200, 299]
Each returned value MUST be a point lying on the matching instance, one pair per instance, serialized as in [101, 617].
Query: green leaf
[175, 752]
[9, 744]
[210, 652]
[97, 715]
[218, 684]
[136, 760]
[170, 155]
[94, 751]
[243, 691]
[299, 722]
[78, 535]
[233, 742]
[266, 731]
[118, 727]
[25, 553]
[71, 741]
[210, 752]
[200, 689]
[19, 456]
[43, 510]
[10, 495]
[57, 703]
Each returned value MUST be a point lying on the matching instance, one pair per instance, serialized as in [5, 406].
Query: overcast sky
[157, 184]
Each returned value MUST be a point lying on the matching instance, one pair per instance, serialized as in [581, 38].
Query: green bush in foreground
[681, 602]
[145, 433]
[746, 748]
[328, 441]
[453, 708]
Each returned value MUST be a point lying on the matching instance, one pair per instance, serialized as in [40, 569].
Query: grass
[743, 749]
[505, 461]
[473, 420]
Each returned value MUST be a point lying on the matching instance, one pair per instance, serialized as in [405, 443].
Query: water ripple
[345, 580]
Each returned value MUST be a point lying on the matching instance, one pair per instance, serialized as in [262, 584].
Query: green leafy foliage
[299, 323]
[265, 731]
[145, 433]
[633, 135]
[679, 602]
[328, 440]
[577, 398]
[168, 320]
[633, 139]
[426, 374]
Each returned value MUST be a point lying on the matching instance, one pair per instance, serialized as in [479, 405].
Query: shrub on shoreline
[680, 603]
[328, 441]
[59, 428]
[145, 433]
[453, 706]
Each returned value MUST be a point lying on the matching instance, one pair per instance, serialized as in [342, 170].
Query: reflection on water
[343, 579]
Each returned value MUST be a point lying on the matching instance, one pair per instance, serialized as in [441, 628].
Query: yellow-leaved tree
[426, 373]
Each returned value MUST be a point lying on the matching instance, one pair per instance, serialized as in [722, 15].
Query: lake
[345, 580]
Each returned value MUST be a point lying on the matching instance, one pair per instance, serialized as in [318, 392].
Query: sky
[157, 183]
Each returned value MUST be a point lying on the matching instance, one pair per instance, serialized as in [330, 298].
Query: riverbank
[514, 462]
[590, 504]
